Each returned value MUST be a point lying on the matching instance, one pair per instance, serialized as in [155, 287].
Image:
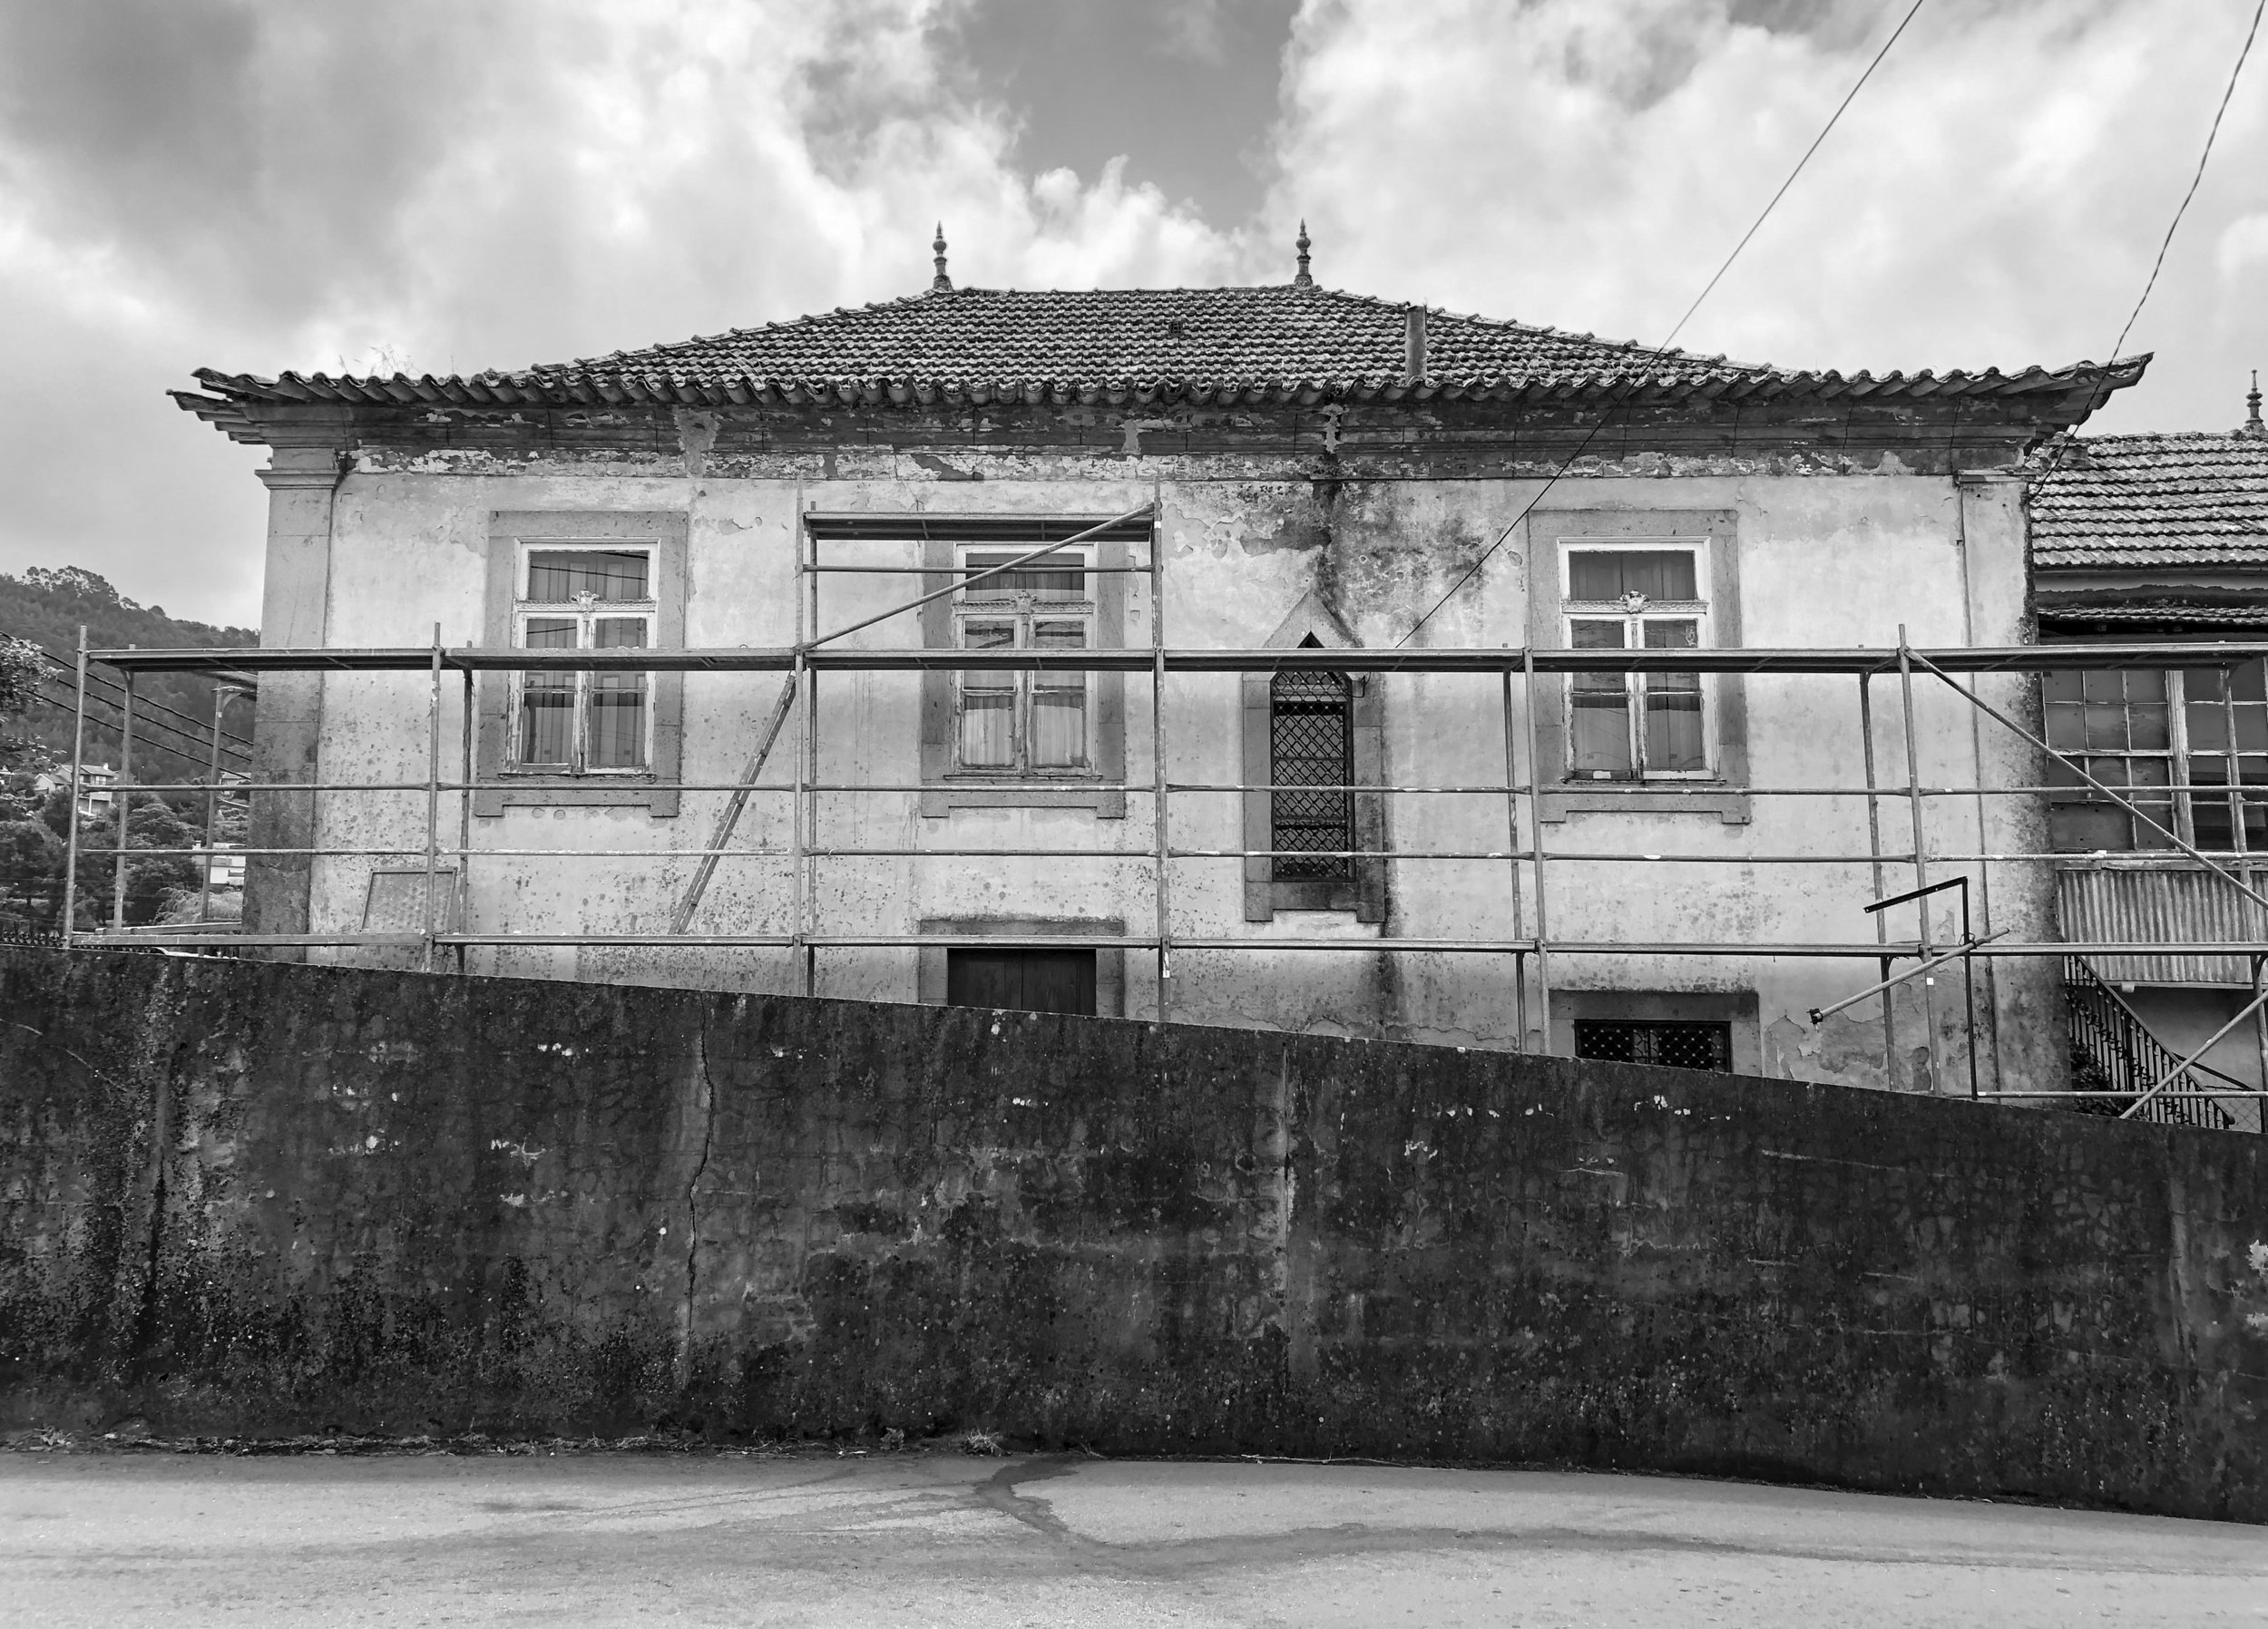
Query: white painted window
[1026, 722]
[1637, 594]
[583, 596]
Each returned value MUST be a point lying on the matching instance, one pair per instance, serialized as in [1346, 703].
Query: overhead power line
[1632, 380]
[2173, 226]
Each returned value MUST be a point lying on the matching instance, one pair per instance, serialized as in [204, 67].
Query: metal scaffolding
[446, 861]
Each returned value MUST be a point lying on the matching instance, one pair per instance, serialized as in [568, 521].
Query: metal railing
[1527, 865]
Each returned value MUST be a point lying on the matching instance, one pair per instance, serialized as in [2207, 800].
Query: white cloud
[187, 181]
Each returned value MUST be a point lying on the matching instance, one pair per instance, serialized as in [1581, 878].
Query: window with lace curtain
[1636, 596]
[587, 597]
[1024, 722]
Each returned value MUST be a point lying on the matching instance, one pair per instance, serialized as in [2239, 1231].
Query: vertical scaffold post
[433, 799]
[77, 791]
[1161, 819]
[464, 827]
[2260, 1042]
[121, 805]
[1874, 848]
[212, 812]
[1535, 840]
[1921, 860]
[1512, 836]
[798, 935]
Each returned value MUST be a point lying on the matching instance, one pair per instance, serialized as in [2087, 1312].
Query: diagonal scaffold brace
[766, 739]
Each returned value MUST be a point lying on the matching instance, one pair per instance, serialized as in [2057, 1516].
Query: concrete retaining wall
[251, 1198]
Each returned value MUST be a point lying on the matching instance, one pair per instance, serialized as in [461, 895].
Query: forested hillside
[48, 607]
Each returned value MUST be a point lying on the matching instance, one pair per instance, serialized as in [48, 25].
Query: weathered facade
[1232, 470]
[2162, 538]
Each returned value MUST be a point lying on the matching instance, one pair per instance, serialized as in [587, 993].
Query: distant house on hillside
[1207, 700]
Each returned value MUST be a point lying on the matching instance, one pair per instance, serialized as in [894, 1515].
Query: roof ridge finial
[1303, 280]
[941, 283]
[2252, 425]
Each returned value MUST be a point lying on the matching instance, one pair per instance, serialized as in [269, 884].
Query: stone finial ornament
[2252, 425]
[1303, 280]
[941, 283]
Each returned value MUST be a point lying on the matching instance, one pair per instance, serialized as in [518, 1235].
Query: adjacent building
[2163, 538]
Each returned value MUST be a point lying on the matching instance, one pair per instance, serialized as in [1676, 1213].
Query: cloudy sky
[441, 186]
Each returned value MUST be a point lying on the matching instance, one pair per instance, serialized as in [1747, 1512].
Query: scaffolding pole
[1160, 816]
[1921, 860]
[1511, 864]
[1535, 825]
[77, 791]
[433, 802]
[1874, 849]
[121, 808]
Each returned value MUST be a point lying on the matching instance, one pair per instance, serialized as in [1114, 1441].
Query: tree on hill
[46, 607]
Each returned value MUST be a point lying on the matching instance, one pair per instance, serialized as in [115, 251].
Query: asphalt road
[118, 1540]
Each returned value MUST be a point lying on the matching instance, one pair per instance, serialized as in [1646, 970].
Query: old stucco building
[1234, 469]
[2162, 538]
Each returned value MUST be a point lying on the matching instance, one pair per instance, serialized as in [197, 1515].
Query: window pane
[619, 633]
[988, 733]
[2062, 697]
[618, 721]
[2249, 679]
[2143, 774]
[988, 701]
[2083, 828]
[558, 575]
[1603, 574]
[1674, 743]
[547, 700]
[1059, 702]
[1059, 728]
[1598, 745]
[1050, 577]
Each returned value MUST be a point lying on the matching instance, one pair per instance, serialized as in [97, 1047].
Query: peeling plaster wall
[1826, 556]
[258, 1199]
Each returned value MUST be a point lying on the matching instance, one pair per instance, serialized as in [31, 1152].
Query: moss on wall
[256, 1198]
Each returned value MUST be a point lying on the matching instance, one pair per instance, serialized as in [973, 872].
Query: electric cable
[1632, 380]
[2244, 51]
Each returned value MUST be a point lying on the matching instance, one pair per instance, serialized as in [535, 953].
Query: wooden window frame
[1634, 620]
[1100, 789]
[587, 615]
[513, 534]
[1717, 795]
[2178, 795]
[1026, 609]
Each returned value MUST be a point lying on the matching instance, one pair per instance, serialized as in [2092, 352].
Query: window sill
[1651, 797]
[519, 791]
[1104, 802]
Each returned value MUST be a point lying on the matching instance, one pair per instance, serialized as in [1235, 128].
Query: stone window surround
[929, 978]
[1365, 895]
[502, 787]
[1738, 1008]
[1560, 797]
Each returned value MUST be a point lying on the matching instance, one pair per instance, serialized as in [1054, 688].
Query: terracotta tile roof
[2151, 499]
[1273, 343]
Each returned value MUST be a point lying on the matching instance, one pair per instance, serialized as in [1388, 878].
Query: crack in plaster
[692, 1197]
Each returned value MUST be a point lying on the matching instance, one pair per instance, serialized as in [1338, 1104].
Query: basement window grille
[1670, 1044]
